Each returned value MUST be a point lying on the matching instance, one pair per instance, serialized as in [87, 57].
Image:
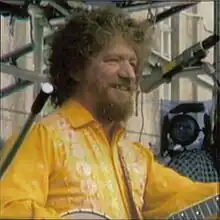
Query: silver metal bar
[23, 74]
[57, 21]
[203, 83]
[154, 5]
[61, 21]
[57, 7]
[155, 79]
[22, 50]
[39, 45]
[14, 88]
[134, 8]
[37, 32]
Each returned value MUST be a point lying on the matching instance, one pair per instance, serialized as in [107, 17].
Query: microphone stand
[42, 97]
[191, 57]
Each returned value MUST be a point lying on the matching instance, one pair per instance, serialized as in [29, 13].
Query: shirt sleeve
[24, 186]
[167, 192]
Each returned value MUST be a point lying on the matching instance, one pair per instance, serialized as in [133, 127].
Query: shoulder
[59, 129]
[50, 120]
[54, 122]
[37, 135]
[41, 128]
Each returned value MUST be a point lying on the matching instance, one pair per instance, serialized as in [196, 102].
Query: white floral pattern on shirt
[64, 135]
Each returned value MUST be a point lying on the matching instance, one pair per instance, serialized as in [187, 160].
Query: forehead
[120, 47]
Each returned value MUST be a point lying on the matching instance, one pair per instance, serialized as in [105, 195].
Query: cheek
[102, 78]
[97, 83]
[108, 70]
[102, 75]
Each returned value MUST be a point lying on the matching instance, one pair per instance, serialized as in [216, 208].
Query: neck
[110, 130]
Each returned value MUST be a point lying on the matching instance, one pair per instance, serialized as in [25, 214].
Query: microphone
[46, 90]
[192, 56]
[42, 97]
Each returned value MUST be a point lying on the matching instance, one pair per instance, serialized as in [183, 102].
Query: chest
[90, 170]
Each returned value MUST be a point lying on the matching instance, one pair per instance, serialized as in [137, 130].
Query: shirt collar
[76, 114]
[80, 117]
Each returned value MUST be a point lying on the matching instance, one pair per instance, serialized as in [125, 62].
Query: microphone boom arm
[192, 56]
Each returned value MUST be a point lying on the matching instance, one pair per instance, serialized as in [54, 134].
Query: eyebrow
[121, 56]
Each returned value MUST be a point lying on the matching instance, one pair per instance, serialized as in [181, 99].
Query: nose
[127, 71]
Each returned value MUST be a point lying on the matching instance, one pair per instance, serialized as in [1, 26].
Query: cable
[142, 116]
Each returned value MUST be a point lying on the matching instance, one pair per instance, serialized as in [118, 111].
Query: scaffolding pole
[217, 54]
[37, 33]
[217, 72]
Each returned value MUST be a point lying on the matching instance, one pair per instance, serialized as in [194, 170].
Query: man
[197, 159]
[77, 158]
[198, 165]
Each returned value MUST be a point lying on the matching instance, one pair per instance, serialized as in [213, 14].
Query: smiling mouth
[123, 88]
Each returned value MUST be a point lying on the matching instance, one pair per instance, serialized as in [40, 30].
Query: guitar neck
[202, 210]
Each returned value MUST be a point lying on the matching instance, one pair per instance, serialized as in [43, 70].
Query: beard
[109, 105]
[114, 109]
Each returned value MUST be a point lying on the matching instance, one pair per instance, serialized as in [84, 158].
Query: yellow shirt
[66, 163]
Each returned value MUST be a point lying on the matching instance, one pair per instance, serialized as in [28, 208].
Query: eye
[133, 64]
